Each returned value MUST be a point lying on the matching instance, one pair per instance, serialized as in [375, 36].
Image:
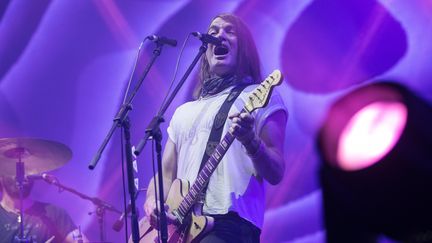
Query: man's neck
[224, 75]
[13, 205]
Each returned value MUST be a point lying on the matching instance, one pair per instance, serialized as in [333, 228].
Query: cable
[175, 70]
[121, 137]
[132, 73]
[153, 144]
[155, 188]
[124, 185]
[153, 156]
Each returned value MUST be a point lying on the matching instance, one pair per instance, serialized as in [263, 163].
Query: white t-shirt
[235, 185]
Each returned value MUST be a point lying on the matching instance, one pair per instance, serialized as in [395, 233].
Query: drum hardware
[101, 206]
[118, 224]
[20, 157]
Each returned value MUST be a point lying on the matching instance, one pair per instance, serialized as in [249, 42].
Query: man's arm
[169, 171]
[265, 150]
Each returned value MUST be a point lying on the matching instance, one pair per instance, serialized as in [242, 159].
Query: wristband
[257, 146]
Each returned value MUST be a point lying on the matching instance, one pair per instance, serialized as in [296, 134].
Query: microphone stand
[122, 120]
[153, 131]
[126, 107]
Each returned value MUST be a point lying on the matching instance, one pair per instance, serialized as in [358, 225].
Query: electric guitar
[190, 224]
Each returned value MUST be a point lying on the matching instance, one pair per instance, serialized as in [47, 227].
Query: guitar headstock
[261, 95]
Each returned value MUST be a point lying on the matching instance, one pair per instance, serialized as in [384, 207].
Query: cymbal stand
[100, 213]
[20, 172]
[101, 206]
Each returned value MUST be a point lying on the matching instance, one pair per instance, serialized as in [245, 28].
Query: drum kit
[24, 158]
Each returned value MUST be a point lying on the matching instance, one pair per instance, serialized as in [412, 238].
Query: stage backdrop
[64, 67]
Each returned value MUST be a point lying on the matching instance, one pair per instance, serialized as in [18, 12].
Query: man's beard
[10, 187]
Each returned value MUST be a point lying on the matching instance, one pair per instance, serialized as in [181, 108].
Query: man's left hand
[242, 127]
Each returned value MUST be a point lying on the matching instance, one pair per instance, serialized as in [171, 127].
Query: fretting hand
[242, 127]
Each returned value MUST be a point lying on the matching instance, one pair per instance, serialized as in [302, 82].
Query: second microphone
[162, 40]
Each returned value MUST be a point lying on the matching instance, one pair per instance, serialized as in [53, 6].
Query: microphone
[44, 176]
[118, 224]
[207, 38]
[162, 40]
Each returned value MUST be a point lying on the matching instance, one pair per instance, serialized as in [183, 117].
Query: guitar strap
[218, 124]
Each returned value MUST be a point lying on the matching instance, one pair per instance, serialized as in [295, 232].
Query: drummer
[43, 222]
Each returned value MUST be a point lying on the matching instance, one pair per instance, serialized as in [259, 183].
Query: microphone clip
[207, 39]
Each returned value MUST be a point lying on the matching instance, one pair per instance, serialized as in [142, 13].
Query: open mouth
[221, 50]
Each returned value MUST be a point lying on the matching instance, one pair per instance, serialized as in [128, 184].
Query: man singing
[235, 195]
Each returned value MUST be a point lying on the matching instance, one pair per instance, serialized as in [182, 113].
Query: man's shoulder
[186, 106]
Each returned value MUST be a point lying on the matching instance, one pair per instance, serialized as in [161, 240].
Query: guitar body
[191, 230]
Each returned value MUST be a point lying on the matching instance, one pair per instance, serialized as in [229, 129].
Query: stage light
[376, 175]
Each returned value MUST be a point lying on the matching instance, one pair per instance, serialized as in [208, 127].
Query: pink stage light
[375, 145]
[370, 134]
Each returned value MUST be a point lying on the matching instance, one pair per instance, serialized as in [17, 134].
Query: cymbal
[38, 155]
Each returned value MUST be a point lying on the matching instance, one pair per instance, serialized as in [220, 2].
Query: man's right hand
[152, 213]
[150, 206]
[150, 210]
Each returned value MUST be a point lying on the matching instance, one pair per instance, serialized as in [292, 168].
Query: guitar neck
[205, 173]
